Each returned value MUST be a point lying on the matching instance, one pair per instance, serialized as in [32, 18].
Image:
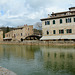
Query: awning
[7, 38]
[58, 37]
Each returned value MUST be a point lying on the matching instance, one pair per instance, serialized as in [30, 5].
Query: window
[53, 21]
[28, 28]
[69, 30]
[68, 20]
[7, 35]
[47, 22]
[54, 32]
[47, 32]
[21, 34]
[74, 19]
[60, 21]
[61, 31]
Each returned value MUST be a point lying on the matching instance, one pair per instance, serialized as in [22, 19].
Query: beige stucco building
[59, 26]
[19, 33]
[1, 35]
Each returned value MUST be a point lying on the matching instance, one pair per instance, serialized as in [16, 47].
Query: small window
[53, 21]
[61, 31]
[74, 19]
[21, 34]
[69, 30]
[60, 21]
[47, 22]
[54, 32]
[28, 28]
[68, 20]
[47, 32]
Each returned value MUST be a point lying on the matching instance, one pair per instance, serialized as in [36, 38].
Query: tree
[7, 30]
[38, 25]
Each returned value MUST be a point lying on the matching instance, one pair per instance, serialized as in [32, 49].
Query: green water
[38, 60]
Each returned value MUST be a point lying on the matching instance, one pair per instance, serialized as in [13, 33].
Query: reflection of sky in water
[38, 60]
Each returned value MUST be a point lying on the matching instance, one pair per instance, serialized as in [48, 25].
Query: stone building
[18, 34]
[59, 26]
[1, 35]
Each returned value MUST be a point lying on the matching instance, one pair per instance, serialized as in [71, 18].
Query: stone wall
[1, 35]
[41, 42]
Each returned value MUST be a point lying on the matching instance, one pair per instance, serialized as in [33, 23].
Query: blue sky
[19, 12]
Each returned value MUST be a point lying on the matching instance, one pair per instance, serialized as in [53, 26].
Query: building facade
[1, 35]
[59, 26]
[18, 34]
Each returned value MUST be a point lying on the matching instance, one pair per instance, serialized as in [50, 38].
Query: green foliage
[7, 30]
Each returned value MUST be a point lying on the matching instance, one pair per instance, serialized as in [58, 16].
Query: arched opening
[21, 39]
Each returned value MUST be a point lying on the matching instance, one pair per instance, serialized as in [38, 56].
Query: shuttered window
[53, 21]
[47, 22]
[69, 31]
[61, 31]
[74, 19]
[54, 32]
[60, 21]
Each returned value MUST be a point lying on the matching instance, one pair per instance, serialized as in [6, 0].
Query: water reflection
[59, 59]
[8, 51]
[38, 60]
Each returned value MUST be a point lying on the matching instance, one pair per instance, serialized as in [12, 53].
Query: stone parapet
[40, 42]
[4, 71]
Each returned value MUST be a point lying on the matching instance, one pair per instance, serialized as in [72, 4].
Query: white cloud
[18, 12]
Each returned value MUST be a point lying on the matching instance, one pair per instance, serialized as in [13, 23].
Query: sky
[20, 12]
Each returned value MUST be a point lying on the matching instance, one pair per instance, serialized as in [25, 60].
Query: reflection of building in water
[16, 51]
[59, 58]
[1, 51]
[25, 52]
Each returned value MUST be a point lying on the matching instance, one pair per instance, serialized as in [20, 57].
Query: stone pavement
[4, 71]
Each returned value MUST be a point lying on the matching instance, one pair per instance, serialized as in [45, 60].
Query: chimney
[48, 15]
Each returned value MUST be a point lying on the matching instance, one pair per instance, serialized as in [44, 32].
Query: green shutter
[66, 20]
[59, 31]
[45, 22]
[60, 21]
[70, 19]
[54, 32]
[74, 19]
[63, 31]
[71, 30]
[67, 31]
[53, 21]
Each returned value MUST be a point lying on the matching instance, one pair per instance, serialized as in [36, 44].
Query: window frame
[54, 31]
[68, 30]
[61, 31]
[47, 32]
[60, 21]
[47, 22]
[74, 19]
[53, 21]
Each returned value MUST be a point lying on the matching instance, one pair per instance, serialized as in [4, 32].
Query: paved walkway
[4, 71]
